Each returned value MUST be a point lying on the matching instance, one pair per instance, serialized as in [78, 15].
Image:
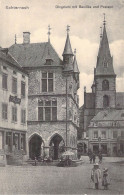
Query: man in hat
[96, 175]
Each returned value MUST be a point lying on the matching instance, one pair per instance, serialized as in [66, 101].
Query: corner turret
[68, 54]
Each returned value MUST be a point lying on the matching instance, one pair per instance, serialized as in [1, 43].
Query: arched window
[105, 101]
[105, 85]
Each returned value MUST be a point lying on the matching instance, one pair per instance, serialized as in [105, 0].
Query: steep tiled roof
[67, 49]
[34, 54]
[6, 56]
[109, 115]
[76, 70]
[120, 100]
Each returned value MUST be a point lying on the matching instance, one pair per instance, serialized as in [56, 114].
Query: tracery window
[47, 82]
[105, 101]
[47, 110]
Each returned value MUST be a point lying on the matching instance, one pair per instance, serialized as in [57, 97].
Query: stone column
[4, 140]
[11, 147]
[19, 141]
[26, 148]
[46, 151]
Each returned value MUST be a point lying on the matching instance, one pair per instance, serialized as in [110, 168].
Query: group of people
[92, 157]
[98, 177]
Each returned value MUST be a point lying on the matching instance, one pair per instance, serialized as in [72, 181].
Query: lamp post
[99, 139]
[66, 138]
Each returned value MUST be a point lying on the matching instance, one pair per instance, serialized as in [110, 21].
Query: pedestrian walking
[94, 157]
[96, 176]
[100, 157]
[90, 157]
[35, 161]
[105, 179]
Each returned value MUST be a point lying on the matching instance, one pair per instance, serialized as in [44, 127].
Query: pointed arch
[105, 101]
[35, 133]
[56, 144]
[35, 145]
[53, 135]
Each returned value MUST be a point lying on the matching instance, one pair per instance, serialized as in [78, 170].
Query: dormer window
[49, 62]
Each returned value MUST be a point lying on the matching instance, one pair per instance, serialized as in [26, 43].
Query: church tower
[104, 85]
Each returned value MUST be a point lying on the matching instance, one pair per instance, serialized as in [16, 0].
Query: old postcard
[62, 97]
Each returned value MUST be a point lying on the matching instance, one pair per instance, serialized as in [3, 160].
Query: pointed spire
[104, 45]
[104, 59]
[76, 70]
[49, 33]
[101, 33]
[67, 49]
[15, 38]
[104, 21]
[100, 39]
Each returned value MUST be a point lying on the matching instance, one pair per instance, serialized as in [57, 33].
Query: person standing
[105, 179]
[96, 175]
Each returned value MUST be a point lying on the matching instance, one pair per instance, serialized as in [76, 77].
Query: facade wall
[110, 140]
[61, 103]
[7, 97]
[47, 129]
[35, 82]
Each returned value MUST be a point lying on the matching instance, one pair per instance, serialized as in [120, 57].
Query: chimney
[26, 37]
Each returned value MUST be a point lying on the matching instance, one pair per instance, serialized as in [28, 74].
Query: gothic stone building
[102, 115]
[13, 108]
[52, 96]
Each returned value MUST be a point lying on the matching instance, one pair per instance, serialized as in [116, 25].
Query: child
[105, 179]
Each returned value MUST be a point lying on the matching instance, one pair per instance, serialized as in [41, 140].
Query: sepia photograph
[62, 97]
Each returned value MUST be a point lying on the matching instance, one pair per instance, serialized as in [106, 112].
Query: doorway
[96, 149]
[35, 146]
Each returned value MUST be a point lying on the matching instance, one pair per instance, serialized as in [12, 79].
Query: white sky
[84, 33]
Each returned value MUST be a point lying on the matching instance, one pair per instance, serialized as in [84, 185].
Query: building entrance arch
[56, 146]
[35, 143]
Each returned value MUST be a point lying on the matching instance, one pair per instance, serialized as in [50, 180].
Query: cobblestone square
[60, 180]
